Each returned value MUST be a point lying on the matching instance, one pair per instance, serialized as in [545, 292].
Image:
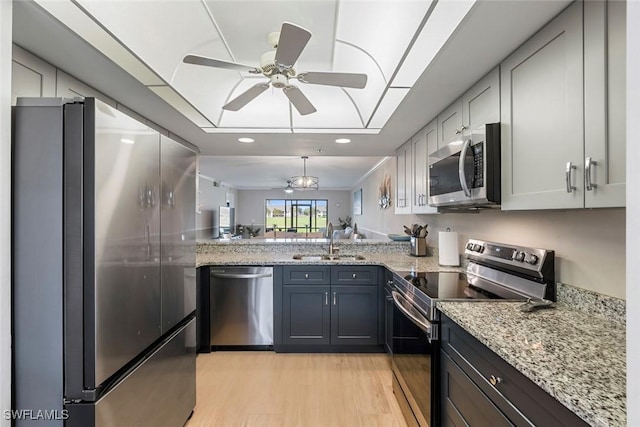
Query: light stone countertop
[393, 261]
[577, 358]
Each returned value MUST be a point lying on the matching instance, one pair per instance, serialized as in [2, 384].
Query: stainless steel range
[494, 271]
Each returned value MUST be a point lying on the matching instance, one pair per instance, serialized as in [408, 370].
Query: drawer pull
[334, 299]
[354, 275]
[495, 380]
[306, 275]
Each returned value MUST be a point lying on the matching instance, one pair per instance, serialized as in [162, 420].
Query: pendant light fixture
[288, 189]
[304, 182]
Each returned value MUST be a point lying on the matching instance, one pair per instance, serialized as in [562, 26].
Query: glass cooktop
[441, 285]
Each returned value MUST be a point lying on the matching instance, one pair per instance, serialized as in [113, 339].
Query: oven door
[414, 365]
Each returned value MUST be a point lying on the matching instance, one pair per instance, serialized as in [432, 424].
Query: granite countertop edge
[600, 400]
[392, 261]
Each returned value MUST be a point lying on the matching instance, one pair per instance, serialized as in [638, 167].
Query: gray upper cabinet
[404, 175]
[30, 76]
[605, 100]
[450, 123]
[424, 142]
[69, 87]
[542, 118]
[477, 106]
[481, 103]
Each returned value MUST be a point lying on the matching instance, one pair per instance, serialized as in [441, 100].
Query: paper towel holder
[448, 251]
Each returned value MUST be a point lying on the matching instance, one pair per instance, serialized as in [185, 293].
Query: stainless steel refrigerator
[103, 268]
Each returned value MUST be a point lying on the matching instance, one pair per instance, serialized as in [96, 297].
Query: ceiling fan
[277, 66]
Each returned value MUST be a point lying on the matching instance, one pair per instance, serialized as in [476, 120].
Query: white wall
[589, 244]
[210, 198]
[250, 204]
[5, 208]
[633, 214]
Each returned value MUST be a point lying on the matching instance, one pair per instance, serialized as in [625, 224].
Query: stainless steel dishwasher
[242, 307]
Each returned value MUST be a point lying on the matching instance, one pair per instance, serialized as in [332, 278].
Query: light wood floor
[273, 389]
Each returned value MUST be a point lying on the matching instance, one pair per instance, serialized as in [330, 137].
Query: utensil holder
[418, 246]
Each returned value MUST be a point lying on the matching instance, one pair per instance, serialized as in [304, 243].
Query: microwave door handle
[461, 171]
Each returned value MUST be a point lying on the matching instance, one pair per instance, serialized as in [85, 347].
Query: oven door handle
[415, 317]
[461, 171]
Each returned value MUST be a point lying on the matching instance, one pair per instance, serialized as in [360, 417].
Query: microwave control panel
[478, 165]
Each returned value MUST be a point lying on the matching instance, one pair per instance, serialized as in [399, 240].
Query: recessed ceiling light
[127, 141]
[247, 140]
[343, 140]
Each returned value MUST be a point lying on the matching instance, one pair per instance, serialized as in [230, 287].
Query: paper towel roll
[448, 248]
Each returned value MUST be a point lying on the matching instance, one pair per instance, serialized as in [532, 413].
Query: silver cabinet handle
[459, 131]
[461, 171]
[306, 275]
[495, 380]
[587, 173]
[567, 177]
[354, 275]
[326, 298]
[335, 301]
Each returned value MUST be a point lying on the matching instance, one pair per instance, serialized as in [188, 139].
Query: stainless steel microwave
[467, 172]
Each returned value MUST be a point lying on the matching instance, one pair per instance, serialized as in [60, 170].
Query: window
[301, 216]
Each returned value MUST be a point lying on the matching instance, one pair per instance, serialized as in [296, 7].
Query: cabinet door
[462, 402]
[354, 315]
[423, 143]
[349, 275]
[542, 118]
[604, 102]
[70, 87]
[403, 179]
[306, 317]
[31, 76]
[481, 103]
[306, 274]
[450, 123]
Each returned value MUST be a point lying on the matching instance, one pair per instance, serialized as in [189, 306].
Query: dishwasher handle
[240, 275]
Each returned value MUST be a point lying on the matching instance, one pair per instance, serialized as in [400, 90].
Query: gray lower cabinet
[306, 314]
[479, 388]
[354, 315]
[318, 317]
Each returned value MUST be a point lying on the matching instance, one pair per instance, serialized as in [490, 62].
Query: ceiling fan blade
[246, 97]
[292, 41]
[297, 98]
[357, 81]
[218, 63]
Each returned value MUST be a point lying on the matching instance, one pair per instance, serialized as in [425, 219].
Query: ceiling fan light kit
[277, 66]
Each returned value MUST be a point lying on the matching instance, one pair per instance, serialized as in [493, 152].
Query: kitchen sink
[326, 257]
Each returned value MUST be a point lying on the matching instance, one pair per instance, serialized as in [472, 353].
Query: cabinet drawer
[354, 275]
[521, 400]
[306, 274]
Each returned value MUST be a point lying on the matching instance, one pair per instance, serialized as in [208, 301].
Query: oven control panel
[509, 256]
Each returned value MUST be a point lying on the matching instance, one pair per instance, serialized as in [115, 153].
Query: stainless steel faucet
[330, 232]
